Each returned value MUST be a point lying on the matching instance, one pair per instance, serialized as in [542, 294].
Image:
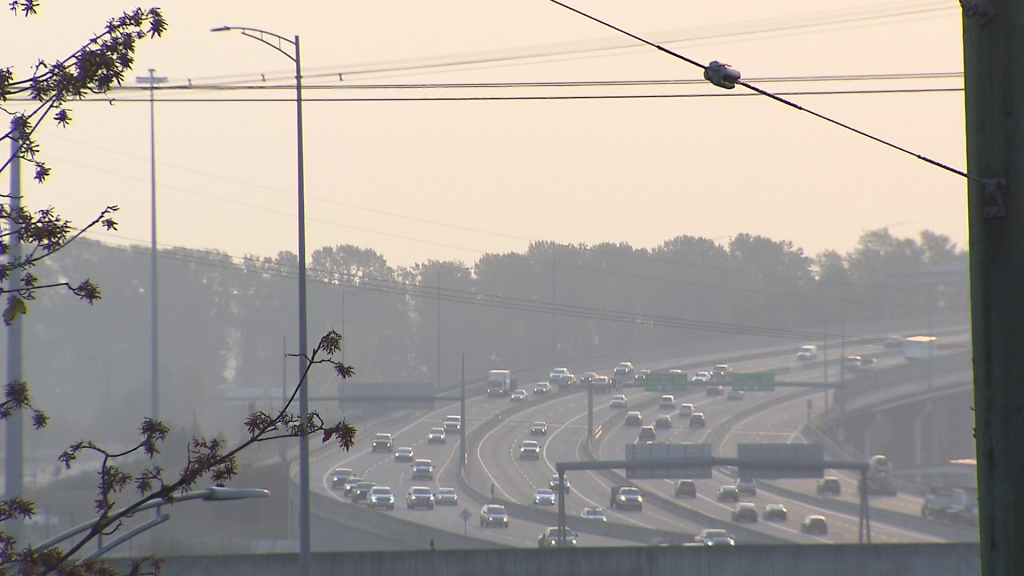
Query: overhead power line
[776, 97]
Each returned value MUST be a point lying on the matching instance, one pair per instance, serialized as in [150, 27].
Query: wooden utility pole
[994, 100]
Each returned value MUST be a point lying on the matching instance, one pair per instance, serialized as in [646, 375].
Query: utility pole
[13, 472]
[154, 354]
[993, 88]
[462, 418]
[439, 328]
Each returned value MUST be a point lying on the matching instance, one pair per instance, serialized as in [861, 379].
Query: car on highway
[701, 376]
[422, 469]
[588, 377]
[544, 496]
[715, 391]
[419, 497]
[541, 388]
[553, 536]
[867, 364]
[623, 369]
[601, 384]
[339, 476]
[539, 429]
[594, 514]
[618, 401]
[774, 512]
[747, 486]
[518, 395]
[634, 418]
[686, 488]
[721, 372]
[436, 436]
[529, 450]
[493, 515]
[382, 442]
[447, 497]
[554, 484]
[735, 394]
[361, 491]
[452, 423]
[697, 420]
[685, 410]
[744, 512]
[728, 492]
[647, 434]
[808, 352]
[641, 375]
[662, 421]
[381, 497]
[562, 377]
[404, 454]
[851, 363]
[893, 342]
[814, 524]
[828, 485]
[627, 497]
[714, 537]
[350, 484]
[667, 401]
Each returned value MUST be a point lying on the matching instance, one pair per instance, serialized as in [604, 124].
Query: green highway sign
[754, 381]
[666, 382]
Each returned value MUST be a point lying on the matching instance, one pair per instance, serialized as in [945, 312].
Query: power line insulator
[722, 75]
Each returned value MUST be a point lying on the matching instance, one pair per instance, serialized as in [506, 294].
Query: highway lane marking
[480, 459]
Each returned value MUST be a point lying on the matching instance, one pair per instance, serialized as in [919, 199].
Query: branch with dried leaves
[207, 458]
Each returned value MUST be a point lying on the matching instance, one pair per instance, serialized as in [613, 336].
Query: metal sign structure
[811, 454]
[754, 381]
[662, 452]
[369, 396]
[666, 382]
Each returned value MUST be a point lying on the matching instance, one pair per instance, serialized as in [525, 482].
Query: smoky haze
[224, 324]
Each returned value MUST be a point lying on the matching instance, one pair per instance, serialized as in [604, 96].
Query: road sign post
[465, 521]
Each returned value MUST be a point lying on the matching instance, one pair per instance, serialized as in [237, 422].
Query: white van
[808, 352]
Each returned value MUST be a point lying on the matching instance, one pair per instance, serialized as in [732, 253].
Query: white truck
[500, 382]
[920, 347]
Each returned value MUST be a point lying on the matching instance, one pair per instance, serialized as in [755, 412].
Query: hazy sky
[454, 179]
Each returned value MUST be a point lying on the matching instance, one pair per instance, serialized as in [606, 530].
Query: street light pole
[277, 42]
[154, 373]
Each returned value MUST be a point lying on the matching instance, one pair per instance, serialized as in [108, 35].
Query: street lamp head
[221, 29]
[222, 493]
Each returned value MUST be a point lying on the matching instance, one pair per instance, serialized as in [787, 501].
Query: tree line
[226, 323]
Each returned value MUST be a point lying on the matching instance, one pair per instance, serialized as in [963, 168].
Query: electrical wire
[776, 97]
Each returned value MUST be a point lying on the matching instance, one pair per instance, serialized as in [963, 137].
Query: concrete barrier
[792, 560]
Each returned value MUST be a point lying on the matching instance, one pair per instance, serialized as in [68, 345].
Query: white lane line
[484, 466]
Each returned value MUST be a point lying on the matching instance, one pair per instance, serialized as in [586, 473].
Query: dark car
[746, 486]
[814, 524]
[663, 421]
[538, 429]
[422, 469]
[744, 512]
[647, 434]
[774, 512]
[339, 476]
[362, 491]
[828, 485]
[634, 418]
[697, 420]
[382, 442]
[715, 391]
[554, 484]
[550, 538]
[686, 488]
[728, 492]
[436, 436]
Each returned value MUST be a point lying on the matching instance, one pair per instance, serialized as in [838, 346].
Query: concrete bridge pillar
[918, 450]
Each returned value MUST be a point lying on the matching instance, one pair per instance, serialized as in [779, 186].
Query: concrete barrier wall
[791, 560]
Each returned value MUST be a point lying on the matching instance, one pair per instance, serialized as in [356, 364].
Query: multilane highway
[496, 459]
